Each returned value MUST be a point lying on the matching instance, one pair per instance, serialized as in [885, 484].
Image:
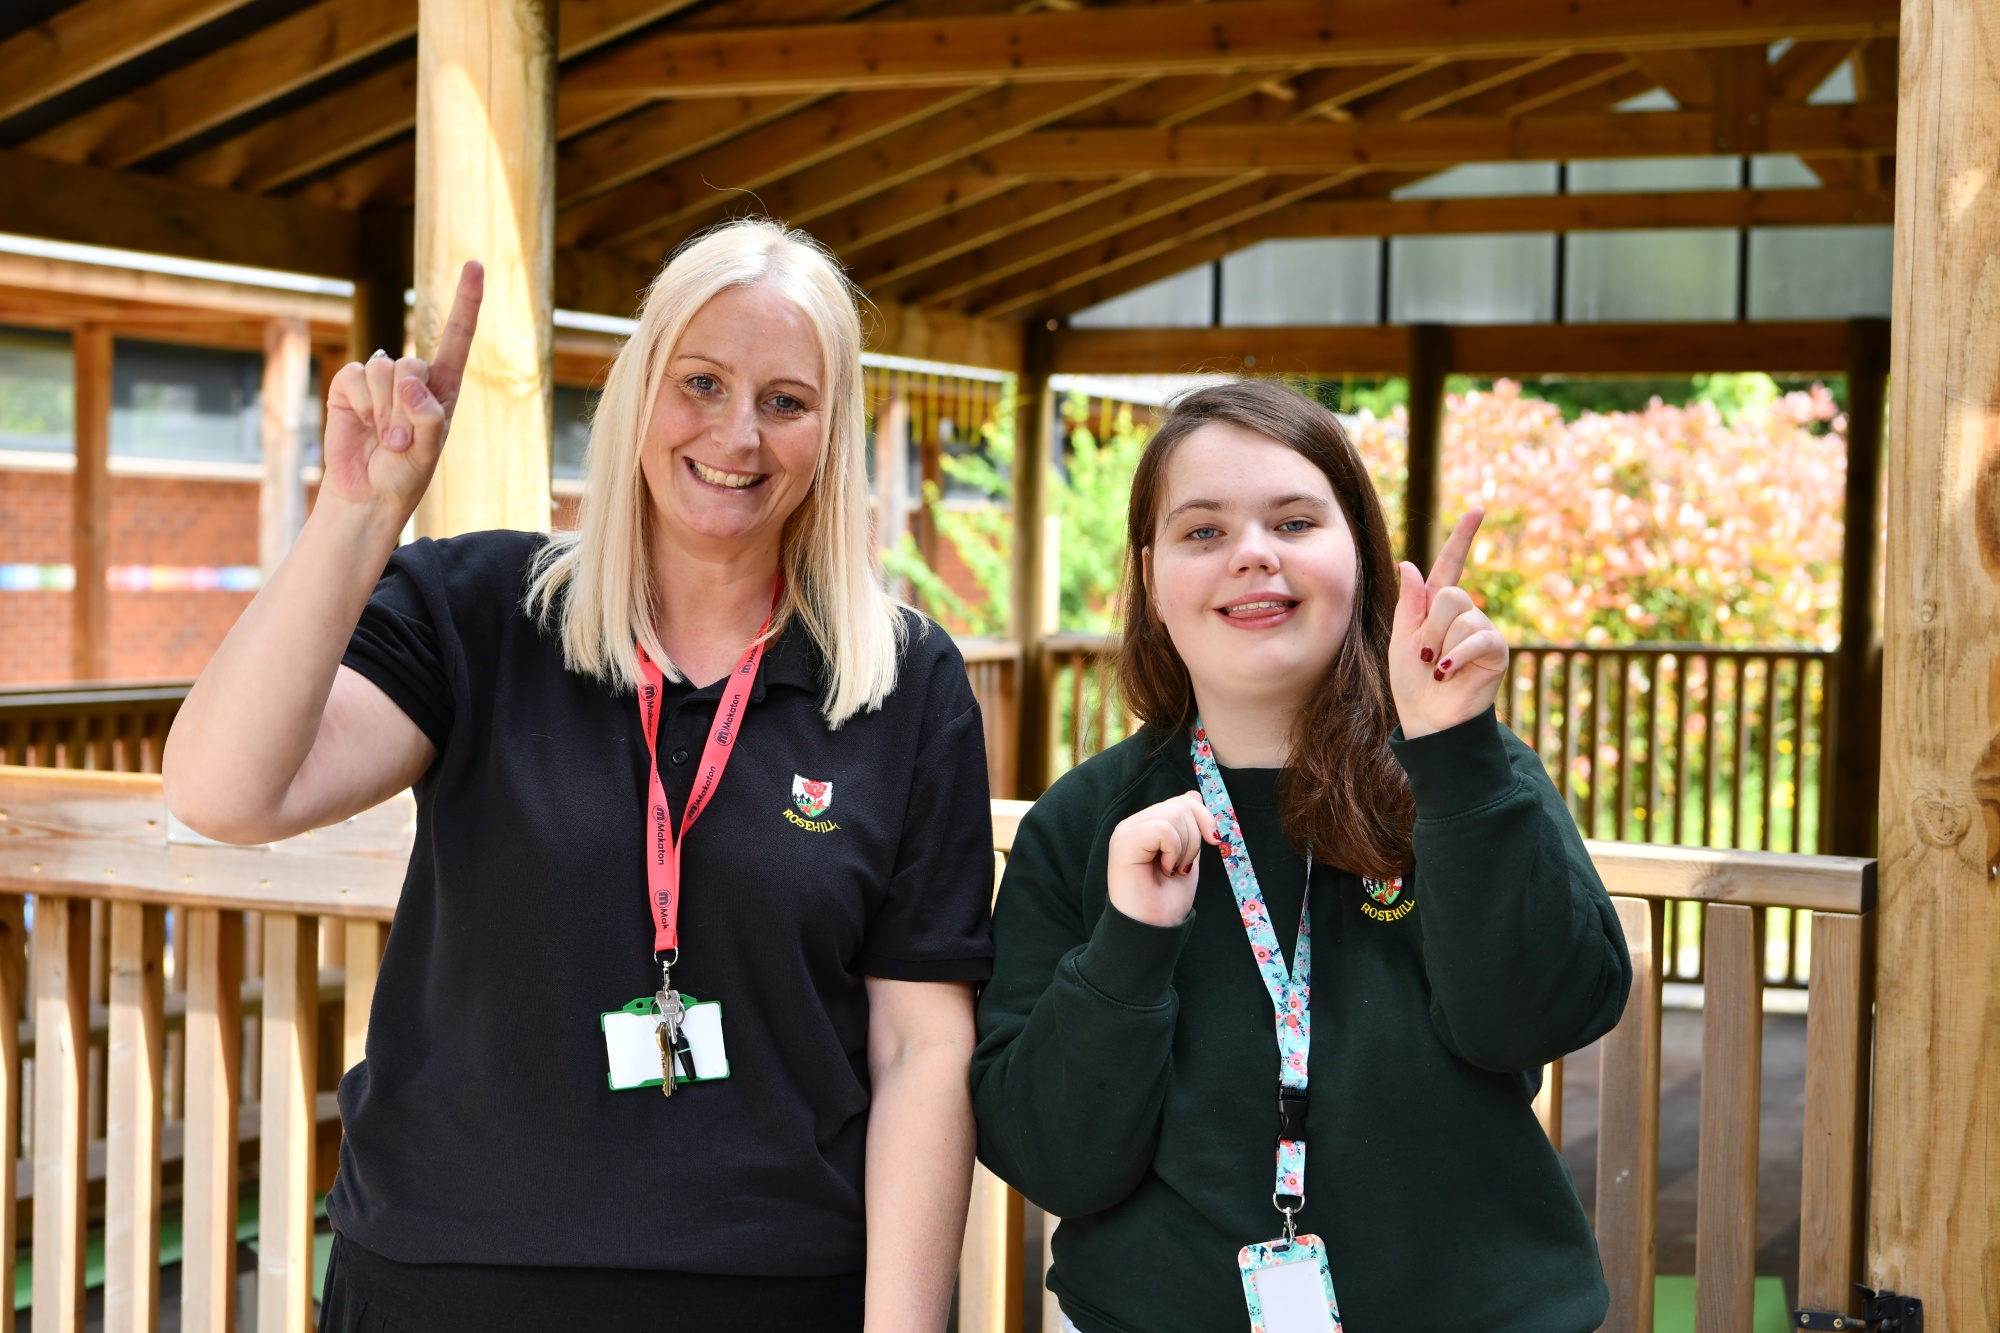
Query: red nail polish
[1445, 665]
[1426, 654]
[1437, 675]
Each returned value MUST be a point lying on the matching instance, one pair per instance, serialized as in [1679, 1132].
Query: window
[573, 409]
[37, 392]
[196, 404]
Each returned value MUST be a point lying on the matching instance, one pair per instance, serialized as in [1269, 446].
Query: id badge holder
[632, 1049]
[1288, 1287]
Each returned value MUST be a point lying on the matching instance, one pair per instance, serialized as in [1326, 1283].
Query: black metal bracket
[1881, 1312]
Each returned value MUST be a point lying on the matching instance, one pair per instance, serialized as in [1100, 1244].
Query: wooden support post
[892, 482]
[1833, 1174]
[1034, 428]
[13, 1004]
[379, 317]
[1934, 1174]
[214, 1073]
[1628, 1128]
[1732, 1055]
[281, 502]
[1857, 726]
[364, 965]
[289, 1124]
[1430, 356]
[1549, 1103]
[90, 514]
[62, 1045]
[989, 1266]
[486, 190]
[137, 1069]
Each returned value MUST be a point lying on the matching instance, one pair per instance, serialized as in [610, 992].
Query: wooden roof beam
[1434, 142]
[1520, 349]
[1688, 78]
[905, 207]
[1159, 40]
[1797, 74]
[77, 44]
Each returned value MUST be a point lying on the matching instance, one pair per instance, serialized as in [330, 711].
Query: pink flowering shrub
[1667, 524]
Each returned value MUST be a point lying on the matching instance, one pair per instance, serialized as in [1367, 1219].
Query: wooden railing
[118, 1120]
[115, 727]
[81, 845]
[1737, 888]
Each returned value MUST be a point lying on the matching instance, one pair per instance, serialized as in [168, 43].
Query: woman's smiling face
[738, 426]
[1252, 567]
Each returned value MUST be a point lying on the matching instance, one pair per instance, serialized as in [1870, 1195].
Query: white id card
[1288, 1287]
[633, 1050]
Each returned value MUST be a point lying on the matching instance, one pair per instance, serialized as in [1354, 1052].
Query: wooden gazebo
[987, 170]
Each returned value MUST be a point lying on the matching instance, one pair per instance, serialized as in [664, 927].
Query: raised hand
[1155, 859]
[1446, 659]
[386, 420]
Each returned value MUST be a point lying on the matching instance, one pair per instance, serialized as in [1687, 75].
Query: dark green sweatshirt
[1126, 1078]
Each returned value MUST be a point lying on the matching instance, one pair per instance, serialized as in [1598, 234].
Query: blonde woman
[671, 838]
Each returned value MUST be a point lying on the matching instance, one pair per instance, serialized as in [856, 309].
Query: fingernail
[1437, 675]
[1445, 665]
[412, 391]
[379, 354]
[1427, 654]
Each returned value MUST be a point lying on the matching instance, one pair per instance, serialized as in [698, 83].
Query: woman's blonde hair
[594, 586]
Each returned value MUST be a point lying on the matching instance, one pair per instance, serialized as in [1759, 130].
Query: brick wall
[154, 521]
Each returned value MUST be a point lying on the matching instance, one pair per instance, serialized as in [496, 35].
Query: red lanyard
[663, 851]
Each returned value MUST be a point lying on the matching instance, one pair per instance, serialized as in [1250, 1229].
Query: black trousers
[370, 1293]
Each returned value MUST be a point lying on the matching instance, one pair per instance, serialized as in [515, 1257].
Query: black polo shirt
[480, 1128]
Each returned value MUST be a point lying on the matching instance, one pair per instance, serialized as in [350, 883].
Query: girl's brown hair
[1341, 792]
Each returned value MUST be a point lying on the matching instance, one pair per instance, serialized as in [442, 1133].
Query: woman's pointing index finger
[455, 345]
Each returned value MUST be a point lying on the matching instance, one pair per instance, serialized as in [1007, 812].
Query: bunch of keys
[673, 1044]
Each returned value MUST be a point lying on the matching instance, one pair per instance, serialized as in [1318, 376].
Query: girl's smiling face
[1252, 567]
[738, 426]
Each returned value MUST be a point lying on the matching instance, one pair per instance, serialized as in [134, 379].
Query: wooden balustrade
[69, 840]
[111, 727]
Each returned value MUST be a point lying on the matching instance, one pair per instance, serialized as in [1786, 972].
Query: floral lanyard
[1291, 993]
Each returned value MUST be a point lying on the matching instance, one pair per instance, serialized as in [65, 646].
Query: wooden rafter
[1172, 39]
[312, 137]
[1329, 92]
[658, 136]
[912, 204]
[76, 44]
[751, 162]
[1799, 72]
[1535, 92]
[1027, 290]
[1685, 75]
[989, 122]
[1434, 142]
[1448, 85]
[204, 93]
[1033, 248]
[384, 179]
[984, 224]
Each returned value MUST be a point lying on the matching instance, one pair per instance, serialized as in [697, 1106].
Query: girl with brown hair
[1320, 772]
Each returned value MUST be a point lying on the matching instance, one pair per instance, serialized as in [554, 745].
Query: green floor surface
[170, 1249]
[1673, 1306]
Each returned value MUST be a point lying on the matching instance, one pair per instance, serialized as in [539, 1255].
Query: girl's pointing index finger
[1450, 565]
[448, 366]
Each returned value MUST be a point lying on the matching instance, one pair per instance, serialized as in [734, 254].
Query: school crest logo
[812, 798]
[1386, 900]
